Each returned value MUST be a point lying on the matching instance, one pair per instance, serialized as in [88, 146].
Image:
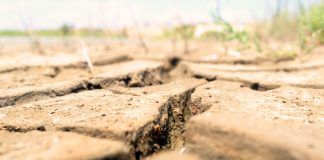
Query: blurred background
[278, 27]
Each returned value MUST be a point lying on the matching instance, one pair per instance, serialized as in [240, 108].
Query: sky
[50, 14]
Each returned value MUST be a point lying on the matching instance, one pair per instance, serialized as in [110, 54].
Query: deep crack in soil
[165, 132]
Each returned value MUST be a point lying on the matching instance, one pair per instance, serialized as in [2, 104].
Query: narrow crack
[257, 86]
[144, 78]
[207, 78]
[10, 128]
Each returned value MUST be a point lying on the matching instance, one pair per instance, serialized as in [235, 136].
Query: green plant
[312, 22]
[228, 34]
[282, 55]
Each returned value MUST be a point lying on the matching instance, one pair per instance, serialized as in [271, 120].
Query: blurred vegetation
[228, 33]
[305, 27]
[66, 31]
[13, 33]
[183, 32]
[312, 23]
[283, 55]
[283, 26]
[186, 31]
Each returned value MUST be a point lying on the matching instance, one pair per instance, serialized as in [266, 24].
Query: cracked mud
[161, 107]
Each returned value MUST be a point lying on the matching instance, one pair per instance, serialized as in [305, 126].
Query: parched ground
[205, 105]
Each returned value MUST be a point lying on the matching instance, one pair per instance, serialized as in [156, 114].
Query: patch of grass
[64, 33]
[48, 33]
[13, 33]
[283, 55]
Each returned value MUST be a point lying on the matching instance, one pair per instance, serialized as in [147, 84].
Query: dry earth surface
[159, 106]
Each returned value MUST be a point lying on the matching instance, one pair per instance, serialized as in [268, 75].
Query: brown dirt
[58, 145]
[284, 123]
[205, 105]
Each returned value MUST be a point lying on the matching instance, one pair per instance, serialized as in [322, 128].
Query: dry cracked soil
[159, 107]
